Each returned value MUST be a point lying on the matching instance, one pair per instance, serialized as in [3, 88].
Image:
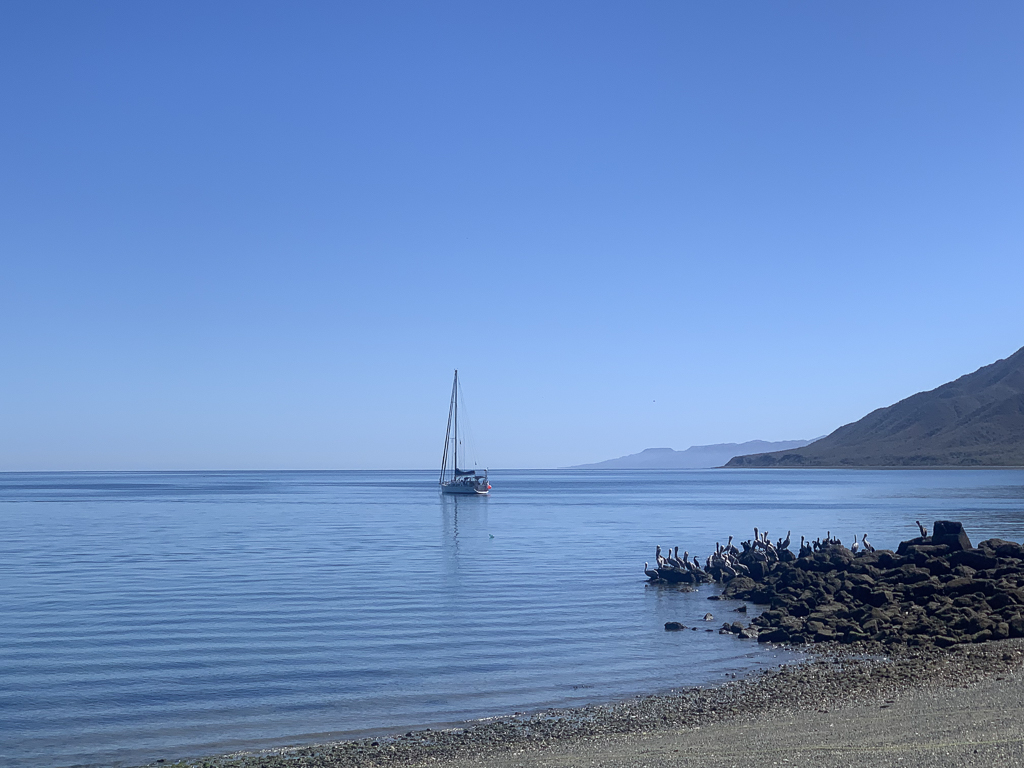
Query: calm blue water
[166, 615]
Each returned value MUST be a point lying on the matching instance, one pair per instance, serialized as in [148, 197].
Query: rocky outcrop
[935, 589]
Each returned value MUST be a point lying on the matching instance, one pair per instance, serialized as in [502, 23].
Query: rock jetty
[933, 590]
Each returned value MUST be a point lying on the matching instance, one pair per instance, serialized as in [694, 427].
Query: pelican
[651, 574]
[867, 546]
[657, 556]
[785, 543]
[922, 529]
[856, 544]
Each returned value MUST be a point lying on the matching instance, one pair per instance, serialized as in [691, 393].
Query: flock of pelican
[729, 561]
[809, 547]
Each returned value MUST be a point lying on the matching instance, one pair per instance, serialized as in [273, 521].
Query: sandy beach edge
[835, 681]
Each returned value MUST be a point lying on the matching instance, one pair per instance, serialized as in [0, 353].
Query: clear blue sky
[261, 235]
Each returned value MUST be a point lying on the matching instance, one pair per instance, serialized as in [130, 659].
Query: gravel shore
[876, 706]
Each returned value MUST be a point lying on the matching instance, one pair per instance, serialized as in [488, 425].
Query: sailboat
[453, 479]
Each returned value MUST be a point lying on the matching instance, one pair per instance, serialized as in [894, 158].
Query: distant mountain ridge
[694, 457]
[975, 421]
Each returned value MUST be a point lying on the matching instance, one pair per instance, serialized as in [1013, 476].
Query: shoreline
[833, 679]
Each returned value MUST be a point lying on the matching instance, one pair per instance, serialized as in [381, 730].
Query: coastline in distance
[694, 457]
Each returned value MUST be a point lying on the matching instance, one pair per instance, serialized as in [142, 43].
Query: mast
[455, 401]
[452, 409]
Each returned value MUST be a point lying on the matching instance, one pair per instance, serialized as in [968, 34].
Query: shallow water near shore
[161, 615]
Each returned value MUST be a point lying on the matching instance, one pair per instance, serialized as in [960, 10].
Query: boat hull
[463, 489]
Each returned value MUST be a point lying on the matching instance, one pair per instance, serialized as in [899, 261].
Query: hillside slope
[976, 420]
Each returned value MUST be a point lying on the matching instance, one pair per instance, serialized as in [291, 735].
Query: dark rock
[800, 609]
[673, 626]
[962, 572]
[860, 593]
[925, 589]
[738, 586]
[879, 597]
[1002, 548]
[909, 544]
[678, 576]
[974, 558]
[959, 586]
[921, 553]
[773, 635]
[885, 558]
[758, 570]
[1000, 600]
[951, 534]
[911, 574]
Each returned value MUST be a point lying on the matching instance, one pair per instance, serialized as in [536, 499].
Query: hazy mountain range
[694, 457]
[976, 420]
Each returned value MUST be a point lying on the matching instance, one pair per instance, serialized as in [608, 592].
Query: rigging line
[469, 438]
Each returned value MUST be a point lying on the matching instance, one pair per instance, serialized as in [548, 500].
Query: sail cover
[463, 472]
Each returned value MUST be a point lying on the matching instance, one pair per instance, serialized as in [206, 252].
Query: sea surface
[170, 615]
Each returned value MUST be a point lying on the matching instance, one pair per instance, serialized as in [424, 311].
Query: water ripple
[162, 615]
